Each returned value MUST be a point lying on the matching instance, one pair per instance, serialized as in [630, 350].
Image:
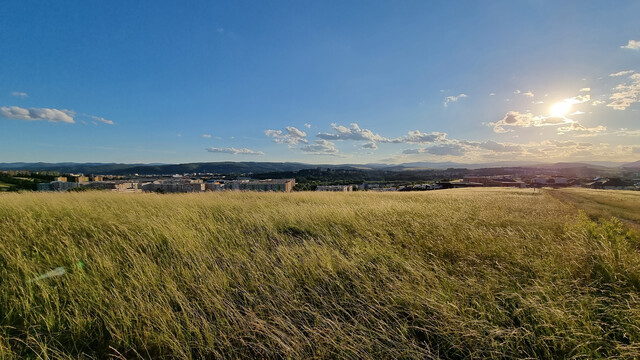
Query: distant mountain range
[230, 167]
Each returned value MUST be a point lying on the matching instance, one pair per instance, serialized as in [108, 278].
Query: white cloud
[622, 73]
[234, 151]
[585, 89]
[34, 114]
[578, 130]
[450, 99]
[579, 99]
[290, 135]
[20, 94]
[627, 93]
[307, 125]
[513, 119]
[353, 132]
[492, 94]
[356, 133]
[417, 137]
[517, 92]
[102, 120]
[597, 102]
[321, 147]
[632, 45]
[529, 94]
[206, 136]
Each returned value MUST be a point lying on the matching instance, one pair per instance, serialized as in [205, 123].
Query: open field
[624, 205]
[468, 273]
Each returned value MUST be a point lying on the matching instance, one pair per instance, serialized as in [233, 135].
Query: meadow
[452, 274]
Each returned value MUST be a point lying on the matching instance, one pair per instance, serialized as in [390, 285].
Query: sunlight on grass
[470, 273]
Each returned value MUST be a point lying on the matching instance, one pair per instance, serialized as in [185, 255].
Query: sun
[560, 109]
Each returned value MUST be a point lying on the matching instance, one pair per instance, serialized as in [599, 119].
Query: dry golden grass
[474, 273]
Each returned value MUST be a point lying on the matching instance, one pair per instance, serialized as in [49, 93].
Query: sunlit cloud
[513, 119]
[450, 99]
[35, 114]
[586, 89]
[632, 45]
[356, 133]
[290, 135]
[622, 73]
[627, 93]
[418, 137]
[578, 130]
[529, 94]
[234, 151]
[353, 132]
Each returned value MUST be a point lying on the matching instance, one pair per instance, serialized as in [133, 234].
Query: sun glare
[560, 109]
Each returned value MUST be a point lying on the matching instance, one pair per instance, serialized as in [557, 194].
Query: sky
[319, 81]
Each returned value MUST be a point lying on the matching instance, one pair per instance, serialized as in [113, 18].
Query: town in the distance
[306, 177]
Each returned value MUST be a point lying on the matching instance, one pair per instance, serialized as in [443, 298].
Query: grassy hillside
[470, 273]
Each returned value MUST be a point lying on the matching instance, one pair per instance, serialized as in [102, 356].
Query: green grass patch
[468, 273]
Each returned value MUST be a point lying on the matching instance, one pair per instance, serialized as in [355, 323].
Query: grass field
[469, 273]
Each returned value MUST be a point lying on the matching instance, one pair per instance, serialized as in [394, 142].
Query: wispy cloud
[622, 73]
[102, 120]
[627, 93]
[450, 99]
[34, 114]
[586, 89]
[206, 136]
[440, 150]
[307, 125]
[578, 130]
[234, 151]
[528, 94]
[19, 94]
[632, 45]
[290, 135]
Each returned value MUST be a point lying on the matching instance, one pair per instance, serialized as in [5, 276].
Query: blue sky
[319, 81]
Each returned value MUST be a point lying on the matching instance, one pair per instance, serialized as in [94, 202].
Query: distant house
[338, 188]
[285, 185]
